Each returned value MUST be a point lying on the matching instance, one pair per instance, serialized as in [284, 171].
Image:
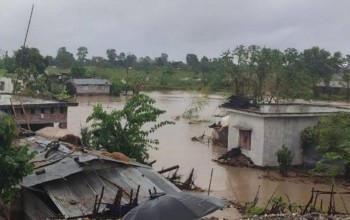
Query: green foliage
[278, 205]
[284, 159]
[309, 137]
[198, 103]
[124, 130]
[78, 71]
[14, 161]
[332, 138]
[253, 210]
[82, 53]
[64, 59]
[30, 58]
[264, 74]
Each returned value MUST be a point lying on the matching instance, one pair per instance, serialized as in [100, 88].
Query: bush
[253, 210]
[284, 159]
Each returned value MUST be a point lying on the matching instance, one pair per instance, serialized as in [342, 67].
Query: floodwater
[176, 148]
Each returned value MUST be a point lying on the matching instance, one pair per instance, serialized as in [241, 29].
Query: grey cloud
[204, 27]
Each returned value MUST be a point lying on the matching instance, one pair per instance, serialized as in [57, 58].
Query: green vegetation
[253, 210]
[192, 111]
[331, 137]
[124, 130]
[14, 161]
[284, 159]
[264, 74]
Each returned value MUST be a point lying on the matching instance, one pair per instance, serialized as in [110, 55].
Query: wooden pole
[100, 200]
[330, 208]
[211, 177]
[271, 198]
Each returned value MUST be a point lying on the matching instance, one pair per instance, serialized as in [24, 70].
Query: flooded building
[37, 113]
[260, 130]
[88, 86]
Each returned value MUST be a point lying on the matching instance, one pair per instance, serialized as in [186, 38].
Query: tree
[162, 60]
[204, 68]
[192, 61]
[145, 63]
[50, 60]
[320, 65]
[331, 136]
[14, 162]
[130, 61]
[121, 59]
[78, 71]
[9, 63]
[346, 75]
[64, 59]
[123, 130]
[98, 62]
[82, 53]
[296, 84]
[30, 58]
[112, 56]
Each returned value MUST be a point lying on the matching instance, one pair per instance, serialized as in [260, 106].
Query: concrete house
[38, 113]
[88, 87]
[261, 130]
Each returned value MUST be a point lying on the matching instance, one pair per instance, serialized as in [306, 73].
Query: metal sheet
[35, 208]
[159, 180]
[65, 199]
[133, 178]
[59, 170]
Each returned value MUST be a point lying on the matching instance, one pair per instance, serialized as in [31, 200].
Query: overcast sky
[175, 27]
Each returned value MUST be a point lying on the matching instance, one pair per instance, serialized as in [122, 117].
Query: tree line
[258, 72]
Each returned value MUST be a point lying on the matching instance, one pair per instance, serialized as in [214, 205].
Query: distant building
[334, 88]
[38, 113]
[260, 130]
[88, 87]
[6, 84]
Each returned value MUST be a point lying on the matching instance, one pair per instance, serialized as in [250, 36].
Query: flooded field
[176, 148]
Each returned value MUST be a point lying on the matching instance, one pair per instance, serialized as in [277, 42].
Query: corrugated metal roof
[75, 195]
[90, 81]
[35, 208]
[73, 178]
[63, 161]
[159, 180]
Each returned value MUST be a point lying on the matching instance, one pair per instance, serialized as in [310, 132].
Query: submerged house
[260, 130]
[88, 87]
[71, 182]
[37, 113]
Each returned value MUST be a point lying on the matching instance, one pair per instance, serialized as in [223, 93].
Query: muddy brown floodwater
[176, 148]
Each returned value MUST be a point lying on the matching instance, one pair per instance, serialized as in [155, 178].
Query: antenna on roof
[24, 45]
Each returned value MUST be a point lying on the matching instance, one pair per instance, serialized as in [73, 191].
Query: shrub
[284, 159]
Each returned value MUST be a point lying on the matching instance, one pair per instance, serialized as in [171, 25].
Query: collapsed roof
[67, 179]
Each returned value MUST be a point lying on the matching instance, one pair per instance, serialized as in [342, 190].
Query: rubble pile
[235, 158]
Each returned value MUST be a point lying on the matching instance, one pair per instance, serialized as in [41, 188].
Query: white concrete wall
[93, 89]
[257, 135]
[8, 85]
[284, 131]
